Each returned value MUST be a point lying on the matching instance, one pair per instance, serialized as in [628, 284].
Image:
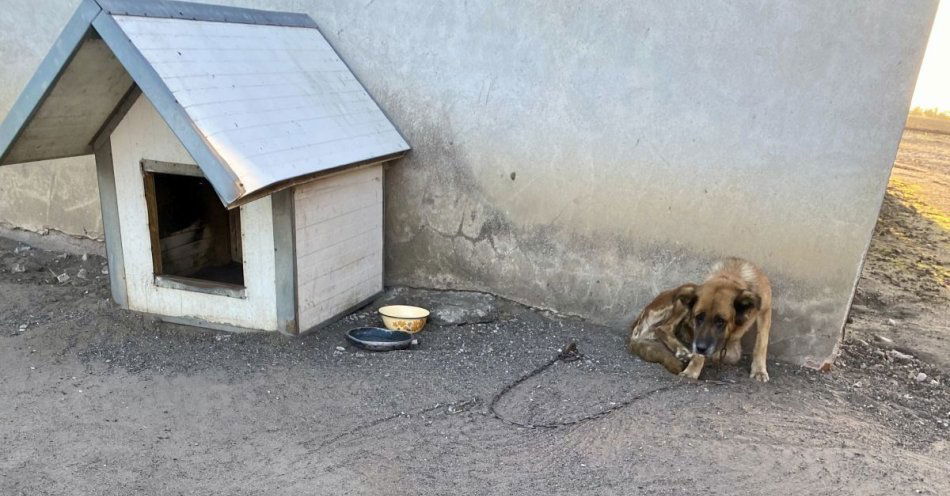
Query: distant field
[928, 124]
[921, 174]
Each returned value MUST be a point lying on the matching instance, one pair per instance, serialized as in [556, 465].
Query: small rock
[921, 377]
[22, 327]
[62, 277]
[21, 267]
[858, 384]
[81, 274]
[883, 340]
[891, 322]
[340, 348]
[903, 357]
[461, 307]
[85, 257]
[105, 271]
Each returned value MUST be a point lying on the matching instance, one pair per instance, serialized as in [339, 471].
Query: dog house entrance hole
[196, 242]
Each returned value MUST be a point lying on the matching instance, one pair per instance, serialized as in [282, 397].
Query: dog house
[239, 160]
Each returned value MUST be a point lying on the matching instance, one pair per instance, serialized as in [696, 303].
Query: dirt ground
[904, 290]
[94, 400]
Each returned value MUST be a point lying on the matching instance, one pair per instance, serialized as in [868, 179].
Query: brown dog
[662, 327]
[735, 297]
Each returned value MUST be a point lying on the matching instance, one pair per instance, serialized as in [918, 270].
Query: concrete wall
[583, 157]
[60, 194]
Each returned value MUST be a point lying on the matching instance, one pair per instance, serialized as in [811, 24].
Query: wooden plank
[327, 309]
[206, 324]
[105, 132]
[180, 238]
[199, 11]
[324, 321]
[334, 282]
[363, 173]
[328, 287]
[339, 243]
[186, 258]
[339, 193]
[331, 258]
[236, 241]
[151, 206]
[334, 211]
[343, 227]
[158, 166]
[201, 286]
[285, 261]
[110, 223]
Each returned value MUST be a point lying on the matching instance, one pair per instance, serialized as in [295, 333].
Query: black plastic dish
[379, 339]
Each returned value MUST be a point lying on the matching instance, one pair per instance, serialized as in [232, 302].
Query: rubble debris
[883, 340]
[901, 357]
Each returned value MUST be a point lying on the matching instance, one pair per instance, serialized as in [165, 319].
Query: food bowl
[379, 339]
[404, 317]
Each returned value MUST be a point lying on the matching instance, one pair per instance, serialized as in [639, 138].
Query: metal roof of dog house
[259, 99]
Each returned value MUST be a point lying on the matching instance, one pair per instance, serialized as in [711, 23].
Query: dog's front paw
[684, 355]
[760, 375]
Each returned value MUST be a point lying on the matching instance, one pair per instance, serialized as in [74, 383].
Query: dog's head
[717, 309]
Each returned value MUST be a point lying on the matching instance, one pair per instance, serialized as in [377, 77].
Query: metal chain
[568, 354]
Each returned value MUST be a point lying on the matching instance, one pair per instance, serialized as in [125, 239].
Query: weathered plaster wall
[57, 194]
[582, 157]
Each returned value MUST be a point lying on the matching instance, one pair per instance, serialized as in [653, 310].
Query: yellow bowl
[404, 318]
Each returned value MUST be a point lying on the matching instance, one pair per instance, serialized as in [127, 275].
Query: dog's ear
[746, 304]
[685, 295]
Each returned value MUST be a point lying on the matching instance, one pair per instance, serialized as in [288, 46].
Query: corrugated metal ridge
[170, 9]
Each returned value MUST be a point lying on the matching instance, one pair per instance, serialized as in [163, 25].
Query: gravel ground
[102, 401]
[95, 400]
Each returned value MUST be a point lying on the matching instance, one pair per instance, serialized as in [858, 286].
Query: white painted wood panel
[143, 134]
[274, 102]
[79, 103]
[339, 243]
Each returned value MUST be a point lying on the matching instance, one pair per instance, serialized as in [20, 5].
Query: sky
[933, 83]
